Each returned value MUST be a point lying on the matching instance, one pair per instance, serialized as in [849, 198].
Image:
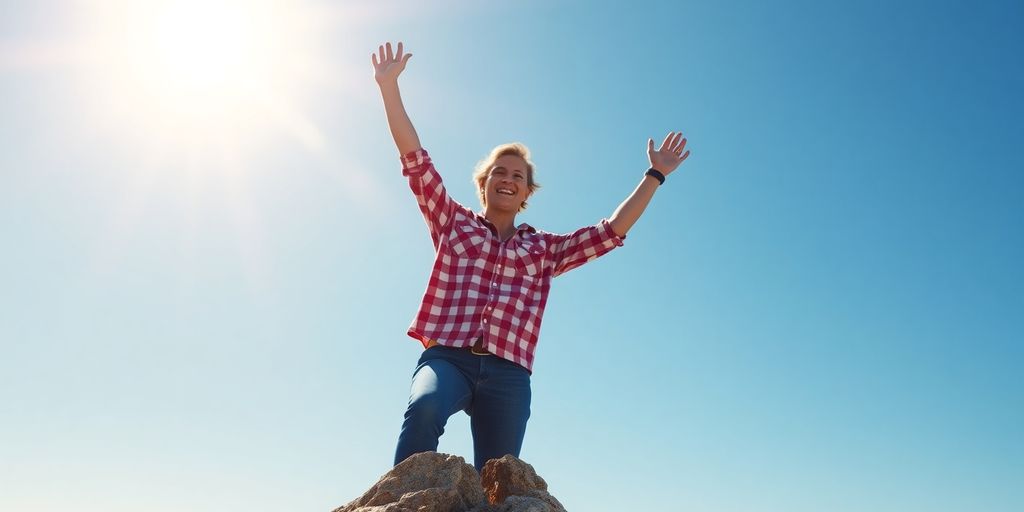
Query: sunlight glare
[202, 69]
[205, 51]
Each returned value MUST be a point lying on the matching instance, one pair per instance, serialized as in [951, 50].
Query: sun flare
[206, 68]
[208, 49]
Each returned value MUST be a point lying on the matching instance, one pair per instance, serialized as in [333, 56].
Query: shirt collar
[522, 226]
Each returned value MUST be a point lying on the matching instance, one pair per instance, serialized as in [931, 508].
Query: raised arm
[665, 160]
[435, 204]
[387, 65]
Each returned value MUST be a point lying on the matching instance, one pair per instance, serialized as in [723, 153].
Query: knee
[425, 410]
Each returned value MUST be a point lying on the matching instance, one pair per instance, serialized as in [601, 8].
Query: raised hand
[670, 155]
[387, 65]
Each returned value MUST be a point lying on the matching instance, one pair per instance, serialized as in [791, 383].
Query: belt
[478, 348]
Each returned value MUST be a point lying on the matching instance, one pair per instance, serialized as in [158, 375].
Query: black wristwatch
[657, 175]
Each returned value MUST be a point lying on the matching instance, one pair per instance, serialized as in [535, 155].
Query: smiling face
[507, 185]
[508, 168]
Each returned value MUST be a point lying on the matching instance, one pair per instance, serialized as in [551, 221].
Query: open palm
[387, 65]
[670, 155]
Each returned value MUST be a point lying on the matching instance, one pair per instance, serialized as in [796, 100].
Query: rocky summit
[438, 482]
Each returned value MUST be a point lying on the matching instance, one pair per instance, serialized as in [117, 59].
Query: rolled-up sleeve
[431, 196]
[583, 245]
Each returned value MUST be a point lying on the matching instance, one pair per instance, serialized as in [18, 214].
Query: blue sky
[205, 307]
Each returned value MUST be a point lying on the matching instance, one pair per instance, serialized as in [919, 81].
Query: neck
[505, 222]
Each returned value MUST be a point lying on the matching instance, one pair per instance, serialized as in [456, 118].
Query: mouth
[505, 191]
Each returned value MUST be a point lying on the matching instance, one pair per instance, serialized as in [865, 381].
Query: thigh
[500, 411]
[439, 385]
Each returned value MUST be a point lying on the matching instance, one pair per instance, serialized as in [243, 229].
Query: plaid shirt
[482, 287]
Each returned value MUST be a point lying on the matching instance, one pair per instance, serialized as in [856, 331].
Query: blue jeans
[494, 392]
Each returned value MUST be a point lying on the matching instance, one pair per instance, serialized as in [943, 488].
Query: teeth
[505, 191]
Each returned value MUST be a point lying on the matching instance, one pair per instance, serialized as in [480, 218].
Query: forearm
[630, 210]
[398, 120]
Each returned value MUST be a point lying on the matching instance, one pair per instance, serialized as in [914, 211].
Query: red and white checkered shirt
[481, 286]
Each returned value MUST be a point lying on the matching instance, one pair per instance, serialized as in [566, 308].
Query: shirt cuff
[604, 228]
[415, 162]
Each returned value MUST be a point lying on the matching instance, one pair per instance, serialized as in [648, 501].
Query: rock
[438, 482]
[424, 482]
[522, 504]
[515, 486]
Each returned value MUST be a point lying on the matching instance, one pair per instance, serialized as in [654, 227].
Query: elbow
[618, 226]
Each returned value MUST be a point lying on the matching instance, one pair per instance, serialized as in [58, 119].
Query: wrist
[656, 175]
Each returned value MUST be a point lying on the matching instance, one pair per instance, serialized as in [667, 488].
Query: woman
[482, 309]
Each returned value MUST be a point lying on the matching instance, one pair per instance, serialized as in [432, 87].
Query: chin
[505, 207]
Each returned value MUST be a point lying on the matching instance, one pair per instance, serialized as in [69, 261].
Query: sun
[191, 104]
[209, 49]
[203, 69]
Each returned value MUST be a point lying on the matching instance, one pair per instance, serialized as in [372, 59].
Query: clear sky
[210, 257]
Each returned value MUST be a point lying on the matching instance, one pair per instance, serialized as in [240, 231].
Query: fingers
[674, 143]
[373, 57]
[385, 54]
[665, 143]
[680, 144]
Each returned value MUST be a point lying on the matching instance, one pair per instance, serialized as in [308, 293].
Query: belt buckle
[483, 352]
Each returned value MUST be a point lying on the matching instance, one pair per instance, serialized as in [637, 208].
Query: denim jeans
[494, 392]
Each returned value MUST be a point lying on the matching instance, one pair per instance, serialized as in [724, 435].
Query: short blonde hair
[483, 167]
